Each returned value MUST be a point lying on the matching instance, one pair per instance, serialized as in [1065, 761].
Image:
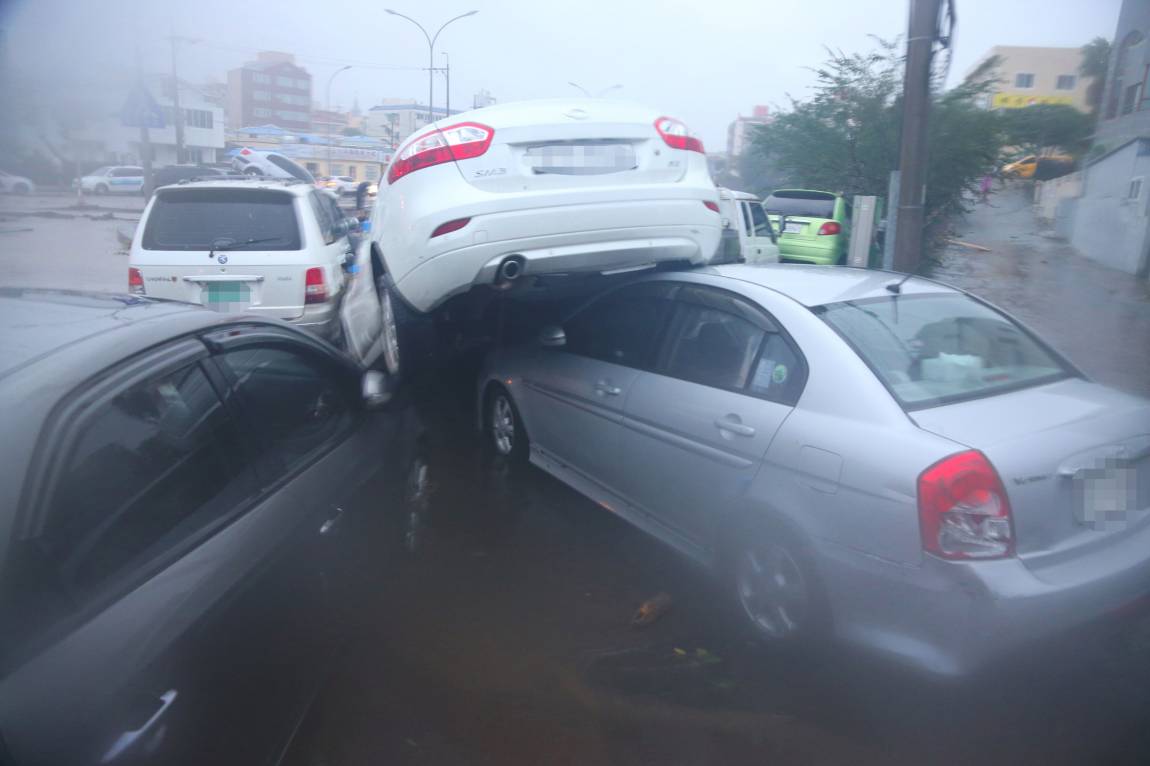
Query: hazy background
[703, 61]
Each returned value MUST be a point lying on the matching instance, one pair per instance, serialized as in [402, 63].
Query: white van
[748, 236]
[264, 246]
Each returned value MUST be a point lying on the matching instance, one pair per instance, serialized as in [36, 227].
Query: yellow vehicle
[1028, 165]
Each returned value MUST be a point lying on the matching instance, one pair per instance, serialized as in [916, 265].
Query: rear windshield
[936, 349]
[820, 206]
[233, 219]
[292, 169]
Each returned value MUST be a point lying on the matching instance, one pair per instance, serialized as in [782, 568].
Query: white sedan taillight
[455, 142]
[963, 510]
[674, 134]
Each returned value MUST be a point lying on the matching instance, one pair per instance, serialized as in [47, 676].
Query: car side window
[779, 373]
[623, 327]
[746, 217]
[711, 347]
[296, 404]
[759, 220]
[323, 217]
[156, 463]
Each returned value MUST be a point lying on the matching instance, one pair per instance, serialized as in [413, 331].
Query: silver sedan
[894, 463]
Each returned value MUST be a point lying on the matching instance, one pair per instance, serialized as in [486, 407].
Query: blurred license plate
[794, 228]
[227, 296]
[581, 158]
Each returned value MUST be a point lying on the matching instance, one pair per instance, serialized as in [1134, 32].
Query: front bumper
[951, 618]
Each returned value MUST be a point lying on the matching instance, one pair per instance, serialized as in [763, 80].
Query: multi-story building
[481, 99]
[1032, 75]
[329, 123]
[1110, 220]
[272, 90]
[741, 132]
[395, 119]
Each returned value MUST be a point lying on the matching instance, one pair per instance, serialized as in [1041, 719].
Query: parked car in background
[975, 492]
[14, 184]
[505, 194]
[173, 174]
[257, 162]
[748, 236]
[263, 246]
[340, 184]
[813, 226]
[113, 179]
[1039, 168]
[188, 504]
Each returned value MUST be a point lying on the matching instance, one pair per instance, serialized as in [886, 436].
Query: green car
[815, 225]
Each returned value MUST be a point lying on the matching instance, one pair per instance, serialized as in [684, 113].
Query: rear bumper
[951, 618]
[823, 254]
[560, 239]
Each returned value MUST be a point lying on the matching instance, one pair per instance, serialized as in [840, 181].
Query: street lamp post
[430, 53]
[327, 107]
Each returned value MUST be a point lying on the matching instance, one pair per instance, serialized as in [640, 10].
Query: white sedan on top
[538, 188]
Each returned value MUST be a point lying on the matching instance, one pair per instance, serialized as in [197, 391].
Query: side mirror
[375, 391]
[552, 336]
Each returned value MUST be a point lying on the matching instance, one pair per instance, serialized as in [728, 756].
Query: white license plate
[227, 296]
[794, 228]
[581, 158]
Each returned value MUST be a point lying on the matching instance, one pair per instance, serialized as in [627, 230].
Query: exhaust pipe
[510, 270]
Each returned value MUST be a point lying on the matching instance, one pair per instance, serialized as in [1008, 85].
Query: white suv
[269, 247]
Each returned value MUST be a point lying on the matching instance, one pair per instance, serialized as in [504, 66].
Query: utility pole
[145, 139]
[923, 32]
[447, 78]
[430, 53]
[327, 106]
[178, 114]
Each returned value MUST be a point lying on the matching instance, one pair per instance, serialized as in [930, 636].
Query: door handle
[129, 738]
[332, 523]
[604, 387]
[723, 424]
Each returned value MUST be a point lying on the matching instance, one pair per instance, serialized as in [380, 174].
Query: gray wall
[1134, 17]
[1108, 227]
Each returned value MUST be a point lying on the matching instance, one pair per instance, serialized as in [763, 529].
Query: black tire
[252, 171]
[503, 426]
[100, 190]
[392, 308]
[775, 588]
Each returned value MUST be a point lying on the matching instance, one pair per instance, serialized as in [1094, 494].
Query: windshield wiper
[224, 244]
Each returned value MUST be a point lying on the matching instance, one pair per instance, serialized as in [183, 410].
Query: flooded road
[499, 631]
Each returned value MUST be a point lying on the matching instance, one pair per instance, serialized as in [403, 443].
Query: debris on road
[651, 610]
[969, 245]
[16, 231]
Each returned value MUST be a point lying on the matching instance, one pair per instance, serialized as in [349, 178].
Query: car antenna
[896, 287]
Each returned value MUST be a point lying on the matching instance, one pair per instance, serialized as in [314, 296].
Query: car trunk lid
[804, 212]
[1074, 458]
[560, 146]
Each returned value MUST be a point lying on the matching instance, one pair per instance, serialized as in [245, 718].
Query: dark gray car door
[697, 426]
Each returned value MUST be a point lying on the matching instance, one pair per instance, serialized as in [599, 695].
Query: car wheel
[21, 189]
[505, 427]
[251, 171]
[390, 332]
[777, 592]
[101, 189]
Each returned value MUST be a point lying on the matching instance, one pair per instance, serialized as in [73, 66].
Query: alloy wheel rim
[390, 334]
[503, 425]
[773, 591]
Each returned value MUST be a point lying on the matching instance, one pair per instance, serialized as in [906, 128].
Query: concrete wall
[1049, 194]
[1128, 66]
[1110, 226]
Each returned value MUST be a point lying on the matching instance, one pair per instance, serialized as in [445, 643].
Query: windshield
[931, 350]
[194, 219]
[815, 206]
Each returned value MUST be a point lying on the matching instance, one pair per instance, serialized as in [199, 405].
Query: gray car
[893, 463]
[185, 508]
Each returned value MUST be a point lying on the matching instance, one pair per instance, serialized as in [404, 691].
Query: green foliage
[1047, 126]
[846, 137]
[1095, 63]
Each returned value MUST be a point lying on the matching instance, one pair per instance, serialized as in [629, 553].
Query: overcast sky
[702, 61]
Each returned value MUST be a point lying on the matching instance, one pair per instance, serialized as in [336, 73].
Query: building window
[261, 78]
[198, 118]
[1130, 98]
[335, 170]
[1066, 82]
[261, 95]
[1135, 190]
[285, 82]
[261, 112]
[351, 171]
[303, 84]
[194, 155]
[1024, 80]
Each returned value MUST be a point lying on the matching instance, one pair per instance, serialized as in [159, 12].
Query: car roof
[290, 185]
[803, 193]
[548, 110]
[725, 193]
[38, 324]
[820, 285]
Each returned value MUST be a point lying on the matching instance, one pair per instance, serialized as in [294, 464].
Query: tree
[1095, 63]
[352, 132]
[1047, 126]
[846, 137]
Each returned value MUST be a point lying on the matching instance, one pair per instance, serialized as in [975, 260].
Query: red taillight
[245, 152]
[455, 142]
[830, 227]
[450, 226]
[674, 135]
[963, 511]
[711, 205]
[315, 286]
[135, 281]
